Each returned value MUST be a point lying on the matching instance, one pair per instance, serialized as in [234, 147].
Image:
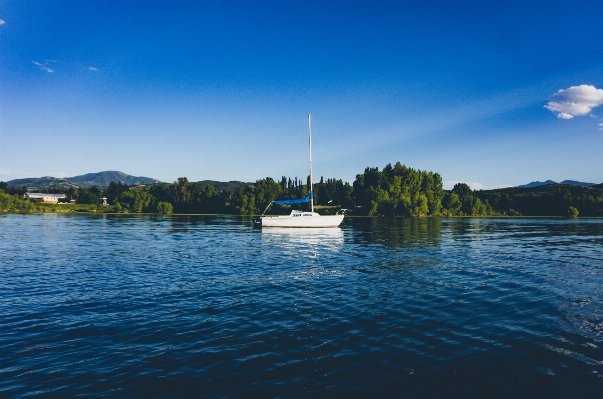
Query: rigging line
[299, 132]
[317, 149]
[297, 142]
[317, 139]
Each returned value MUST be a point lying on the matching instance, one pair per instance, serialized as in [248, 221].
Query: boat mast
[310, 146]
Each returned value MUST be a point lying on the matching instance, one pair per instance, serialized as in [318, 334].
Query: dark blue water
[144, 306]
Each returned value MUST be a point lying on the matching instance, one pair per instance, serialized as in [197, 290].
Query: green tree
[18, 191]
[15, 204]
[422, 205]
[114, 190]
[478, 208]
[453, 204]
[161, 192]
[135, 201]
[206, 199]
[462, 190]
[90, 195]
[399, 190]
[465, 195]
[7, 202]
[572, 212]
[179, 190]
[164, 208]
[381, 204]
[246, 203]
[266, 191]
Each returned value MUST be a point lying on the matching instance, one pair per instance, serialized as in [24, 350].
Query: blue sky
[221, 90]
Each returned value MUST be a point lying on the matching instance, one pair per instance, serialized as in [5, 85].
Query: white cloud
[43, 67]
[2, 22]
[575, 101]
[601, 126]
[93, 69]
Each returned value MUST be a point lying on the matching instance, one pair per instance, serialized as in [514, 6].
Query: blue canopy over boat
[295, 201]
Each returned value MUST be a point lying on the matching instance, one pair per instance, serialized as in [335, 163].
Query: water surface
[133, 306]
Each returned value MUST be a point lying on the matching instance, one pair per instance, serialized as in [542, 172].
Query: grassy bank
[14, 204]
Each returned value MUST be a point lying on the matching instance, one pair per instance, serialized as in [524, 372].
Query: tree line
[393, 191]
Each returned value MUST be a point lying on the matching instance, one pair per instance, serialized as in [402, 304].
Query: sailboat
[299, 218]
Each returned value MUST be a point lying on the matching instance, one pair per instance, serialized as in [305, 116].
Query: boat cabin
[296, 213]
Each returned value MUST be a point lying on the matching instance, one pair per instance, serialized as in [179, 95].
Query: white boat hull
[305, 219]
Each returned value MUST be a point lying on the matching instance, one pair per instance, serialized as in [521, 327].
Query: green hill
[547, 200]
[102, 179]
[39, 183]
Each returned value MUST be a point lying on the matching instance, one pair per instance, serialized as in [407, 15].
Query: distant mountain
[577, 183]
[39, 183]
[544, 183]
[102, 179]
[537, 184]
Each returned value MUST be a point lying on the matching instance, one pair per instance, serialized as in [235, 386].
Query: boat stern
[257, 222]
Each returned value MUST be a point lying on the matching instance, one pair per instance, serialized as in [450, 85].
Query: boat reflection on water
[303, 237]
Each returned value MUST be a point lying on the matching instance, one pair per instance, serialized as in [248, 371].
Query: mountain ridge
[103, 179]
[43, 182]
[100, 179]
[547, 182]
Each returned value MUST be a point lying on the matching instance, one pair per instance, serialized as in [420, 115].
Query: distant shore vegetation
[394, 191]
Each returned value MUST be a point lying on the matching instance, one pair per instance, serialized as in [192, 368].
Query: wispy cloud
[44, 67]
[2, 22]
[575, 101]
[9, 174]
[93, 69]
[601, 126]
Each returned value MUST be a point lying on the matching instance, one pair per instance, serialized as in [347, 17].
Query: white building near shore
[43, 197]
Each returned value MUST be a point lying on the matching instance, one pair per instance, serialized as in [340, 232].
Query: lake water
[150, 306]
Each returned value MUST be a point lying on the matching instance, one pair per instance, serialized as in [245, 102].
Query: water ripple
[131, 306]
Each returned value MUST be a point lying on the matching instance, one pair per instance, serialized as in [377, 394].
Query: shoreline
[72, 212]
